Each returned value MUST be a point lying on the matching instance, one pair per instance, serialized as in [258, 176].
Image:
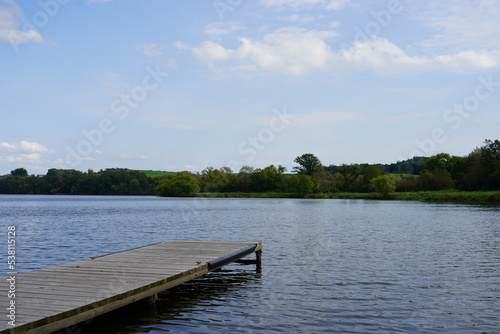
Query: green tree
[383, 184]
[243, 181]
[353, 181]
[181, 184]
[438, 180]
[482, 168]
[301, 184]
[309, 164]
[490, 161]
[19, 172]
[370, 172]
[437, 162]
[337, 182]
[134, 187]
[409, 182]
[214, 180]
[267, 179]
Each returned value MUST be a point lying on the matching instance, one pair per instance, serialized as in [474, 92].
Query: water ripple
[329, 266]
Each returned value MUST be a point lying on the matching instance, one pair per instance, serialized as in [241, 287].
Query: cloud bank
[296, 51]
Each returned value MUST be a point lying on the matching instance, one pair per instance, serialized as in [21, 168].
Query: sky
[186, 85]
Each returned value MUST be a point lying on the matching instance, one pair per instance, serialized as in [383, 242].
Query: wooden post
[115, 284]
[258, 258]
[152, 299]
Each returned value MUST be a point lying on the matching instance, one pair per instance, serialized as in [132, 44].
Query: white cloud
[210, 52]
[10, 33]
[10, 158]
[337, 4]
[24, 151]
[459, 24]
[222, 28]
[296, 52]
[295, 18]
[473, 59]
[152, 50]
[31, 157]
[181, 46]
[24, 146]
[16, 37]
[379, 53]
[288, 50]
[295, 4]
[290, 3]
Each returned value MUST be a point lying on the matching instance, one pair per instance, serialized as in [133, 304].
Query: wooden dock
[52, 299]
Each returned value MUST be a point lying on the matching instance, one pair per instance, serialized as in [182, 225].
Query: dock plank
[54, 298]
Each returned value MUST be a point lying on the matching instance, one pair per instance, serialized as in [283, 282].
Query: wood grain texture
[54, 298]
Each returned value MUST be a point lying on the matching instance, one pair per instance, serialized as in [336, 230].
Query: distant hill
[411, 166]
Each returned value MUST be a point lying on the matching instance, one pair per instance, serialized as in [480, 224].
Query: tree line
[74, 182]
[479, 170]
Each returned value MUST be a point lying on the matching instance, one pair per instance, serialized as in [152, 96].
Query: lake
[328, 266]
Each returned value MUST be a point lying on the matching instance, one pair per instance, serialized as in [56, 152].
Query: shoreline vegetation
[474, 178]
[448, 196]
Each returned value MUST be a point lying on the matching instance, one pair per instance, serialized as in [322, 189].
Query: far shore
[440, 196]
[450, 196]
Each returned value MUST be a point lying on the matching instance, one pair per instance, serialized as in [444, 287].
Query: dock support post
[258, 258]
[152, 299]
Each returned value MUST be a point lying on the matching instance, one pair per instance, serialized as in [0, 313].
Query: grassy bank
[492, 197]
[484, 197]
[247, 195]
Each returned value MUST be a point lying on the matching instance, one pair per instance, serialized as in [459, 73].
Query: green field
[155, 173]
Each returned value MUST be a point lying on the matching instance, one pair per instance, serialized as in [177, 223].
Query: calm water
[329, 266]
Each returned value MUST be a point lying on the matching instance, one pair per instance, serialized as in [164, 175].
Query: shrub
[181, 184]
[383, 184]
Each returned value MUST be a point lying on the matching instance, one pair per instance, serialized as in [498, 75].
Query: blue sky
[183, 85]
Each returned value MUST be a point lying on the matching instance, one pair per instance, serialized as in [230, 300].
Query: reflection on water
[329, 266]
